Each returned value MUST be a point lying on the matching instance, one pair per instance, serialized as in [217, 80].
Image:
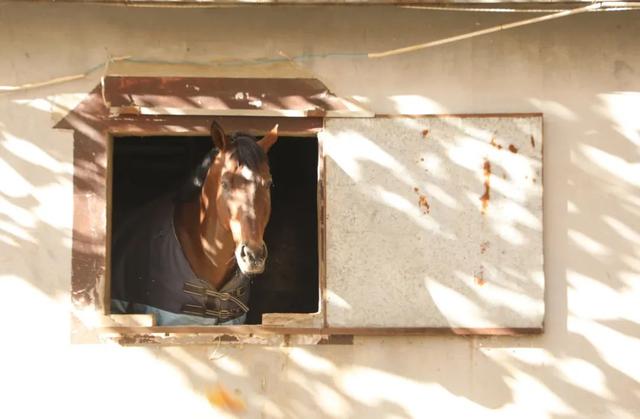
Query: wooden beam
[226, 3]
[283, 113]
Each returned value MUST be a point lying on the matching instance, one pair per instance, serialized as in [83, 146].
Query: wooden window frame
[95, 124]
[272, 323]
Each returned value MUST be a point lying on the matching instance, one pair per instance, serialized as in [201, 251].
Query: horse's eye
[226, 185]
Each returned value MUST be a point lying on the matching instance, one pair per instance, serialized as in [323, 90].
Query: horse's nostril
[248, 253]
[252, 255]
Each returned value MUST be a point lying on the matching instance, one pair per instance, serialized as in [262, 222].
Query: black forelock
[246, 151]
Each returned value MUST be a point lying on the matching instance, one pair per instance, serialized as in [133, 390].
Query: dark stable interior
[147, 167]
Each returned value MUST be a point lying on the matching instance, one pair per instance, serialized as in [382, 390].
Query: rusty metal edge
[463, 115]
[282, 336]
[257, 330]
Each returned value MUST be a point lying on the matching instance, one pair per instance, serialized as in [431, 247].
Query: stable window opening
[149, 169]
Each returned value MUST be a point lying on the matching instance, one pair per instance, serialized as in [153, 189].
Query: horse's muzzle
[251, 260]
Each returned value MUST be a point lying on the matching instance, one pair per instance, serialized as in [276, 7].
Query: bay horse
[188, 257]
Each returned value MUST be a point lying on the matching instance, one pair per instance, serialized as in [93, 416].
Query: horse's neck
[208, 247]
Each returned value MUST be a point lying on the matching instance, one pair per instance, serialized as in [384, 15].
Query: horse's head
[240, 184]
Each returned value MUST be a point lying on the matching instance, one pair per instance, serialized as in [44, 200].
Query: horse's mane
[243, 148]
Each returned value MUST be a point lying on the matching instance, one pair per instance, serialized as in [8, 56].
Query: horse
[189, 256]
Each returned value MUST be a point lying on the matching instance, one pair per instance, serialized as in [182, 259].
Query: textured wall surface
[434, 222]
[582, 73]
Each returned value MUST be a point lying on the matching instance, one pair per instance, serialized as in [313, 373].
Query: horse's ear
[269, 139]
[218, 137]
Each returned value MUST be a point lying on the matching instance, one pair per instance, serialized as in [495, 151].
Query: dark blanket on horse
[149, 268]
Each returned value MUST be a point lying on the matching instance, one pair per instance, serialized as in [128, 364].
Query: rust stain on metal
[487, 186]
[425, 133]
[484, 246]
[533, 142]
[513, 148]
[494, 144]
[479, 277]
[423, 202]
[480, 280]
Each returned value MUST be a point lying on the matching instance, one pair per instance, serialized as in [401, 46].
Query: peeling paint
[494, 144]
[136, 339]
[425, 133]
[533, 142]
[513, 148]
[484, 246]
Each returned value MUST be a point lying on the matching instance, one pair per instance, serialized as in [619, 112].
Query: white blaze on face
[247, 173]
[249, 202]
[245, 201]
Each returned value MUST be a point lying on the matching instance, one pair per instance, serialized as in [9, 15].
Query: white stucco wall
[583, 73]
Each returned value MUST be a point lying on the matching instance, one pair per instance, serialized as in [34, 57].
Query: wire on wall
[601, 6]
[564, 13]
